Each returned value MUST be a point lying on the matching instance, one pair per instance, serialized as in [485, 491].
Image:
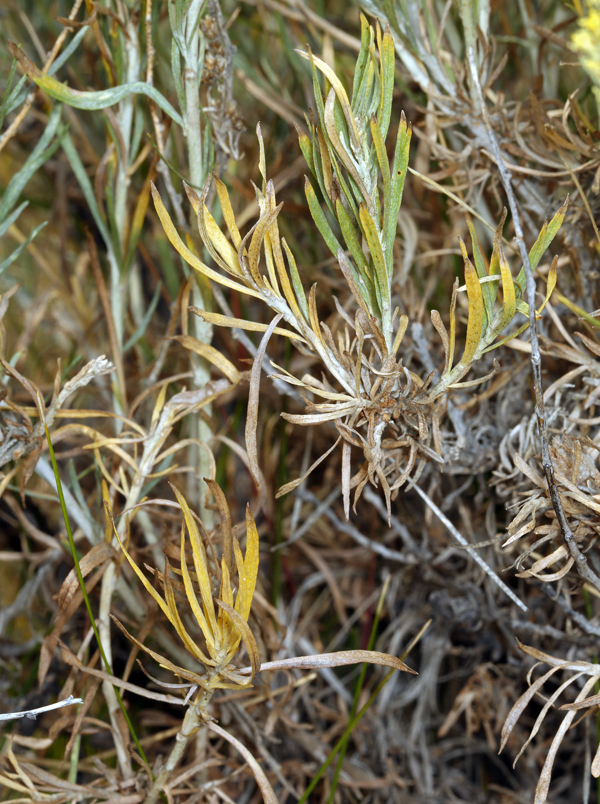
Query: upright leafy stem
[391, 414]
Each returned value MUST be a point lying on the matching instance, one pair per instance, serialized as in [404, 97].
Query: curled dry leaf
[338, 659]
[578, 669]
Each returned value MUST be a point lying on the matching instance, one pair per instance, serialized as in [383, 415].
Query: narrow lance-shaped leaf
[338, 659]
[296, 282]
[187, 640]
[390, 215]
[200, 565]
[363, 57]
[240, 323]
[228, 212]
[43, 150]
[306, 147]
[249, 574]
[340, 92]
[475, 320]
[509, 305]
[244, 633]
[489, 293]
[382, 159]
[353, 244]
[253, 399]
[188, 255]
[372, 238]
[388, 60]
[91, 100]
[319, 218]
[545, 237]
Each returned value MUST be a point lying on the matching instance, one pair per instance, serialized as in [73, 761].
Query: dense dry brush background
[170, 402]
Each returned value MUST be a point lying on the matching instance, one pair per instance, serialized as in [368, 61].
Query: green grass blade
[86, 599]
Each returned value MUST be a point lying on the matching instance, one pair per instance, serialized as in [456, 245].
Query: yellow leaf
[222, 245]
[508, 291]
[146, 583]
[201, 568]
[247, 578]
[187, 640]
[339, 91]
[228, 213]
[210, 634]
[245, 633]
[475, 320]
[188, 255]
[241, 323]
[227, 634]
[211, 354]
[160, 403]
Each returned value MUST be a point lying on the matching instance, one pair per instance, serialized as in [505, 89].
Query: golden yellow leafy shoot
[223, 620]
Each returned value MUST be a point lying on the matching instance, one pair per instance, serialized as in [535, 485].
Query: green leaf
[17, 253]
[545, 237]
[40, 154]
[8, 222]
[296, 283]
[145, 320]
[362, 60]
[91, 101]
[176, 73]
[382, 159]
[353, 244]
[390, 215]
[374, 245]
[306, 148]
[320, 219]
[317, 92]
[388, 62]
[86, 187]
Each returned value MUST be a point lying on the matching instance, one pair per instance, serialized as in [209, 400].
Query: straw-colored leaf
[244, 633]
[338, 659]
[188, 255]
[187, 640]
[241, 323]
[249, 573]
[211, 354]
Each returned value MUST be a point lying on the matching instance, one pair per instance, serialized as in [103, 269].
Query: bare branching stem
[581, 562]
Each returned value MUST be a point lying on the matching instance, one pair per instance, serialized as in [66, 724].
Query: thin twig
[473, 553]
[33, 713]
